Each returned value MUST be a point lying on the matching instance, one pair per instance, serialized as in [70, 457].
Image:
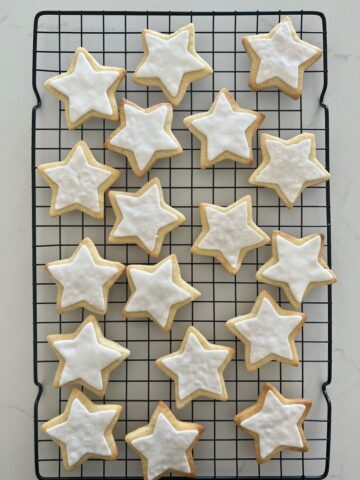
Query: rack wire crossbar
[113, 37]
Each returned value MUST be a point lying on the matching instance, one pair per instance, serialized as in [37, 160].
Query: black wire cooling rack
[114, 39]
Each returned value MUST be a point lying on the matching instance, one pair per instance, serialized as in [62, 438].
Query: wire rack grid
[114, 39]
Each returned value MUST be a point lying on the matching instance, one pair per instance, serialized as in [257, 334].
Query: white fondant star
[231, 233]
[143, 216]
[290, 167]
[77, 182]
[85, 358]
[83, 432]
[166, 448]
[276, 425]
[268, 332]
[169, 60]
[82, 279]
[148, 126]
[86, 89]
[225, 129]
[281, 55]
[298, 265]
[225, 225]
[156, 292]
[196, 368]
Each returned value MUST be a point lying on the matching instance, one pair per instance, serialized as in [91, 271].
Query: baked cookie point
[288, 166]
[86, 357]
[84, 279]
[275, 423]
[268, 332]
[228, 233]
[171, 62]
[87, 89]
[165, 445]
[158, 291]
[144, 135]
[297, 265]
[84, 430]
[197, 368]
[225, 131]
[279, 59]
[143, 217]
[78, 182]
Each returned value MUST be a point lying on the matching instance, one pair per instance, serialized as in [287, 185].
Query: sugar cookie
[84, 279]
[279, 59]
[143, 217]
[275, 423]
[297, 265]
[225, 131]
[197, 368]
[78, 182]
[288, 166]
[144, 135]
[170, 62]
[87, 89]
[228, 233]
[84, 430]
[158, 291]
[86, 357]
[268, 333]
[165, 444]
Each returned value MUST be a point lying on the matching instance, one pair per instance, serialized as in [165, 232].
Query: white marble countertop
[18, 392]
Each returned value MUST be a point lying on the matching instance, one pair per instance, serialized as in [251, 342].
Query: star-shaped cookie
[268, 333]
[158, 291]
[297, 265]
[275, 423]
[78, 182]
[289, 166]
[143, 217]
[228, 233]
[84, 279]
[225, 131]
[84, 430]
[86, 357]
[279, 59]
[171, 62]
[197, 368]
[87, 89]
[144, 135]
[165, 444]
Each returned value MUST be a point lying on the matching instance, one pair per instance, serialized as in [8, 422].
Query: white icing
[281, 56]
[168, 60]
[85, 358]
[225, 129]
[144, 134]
[229, 232]
[156, 292]
[83, 432]
[165, 448]
[290, 167]
[143, 216]
[298, 265]
[78, 182]
[276, 425]
[268, 332]
[82, 279]
[196, 368]
[86, 89]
